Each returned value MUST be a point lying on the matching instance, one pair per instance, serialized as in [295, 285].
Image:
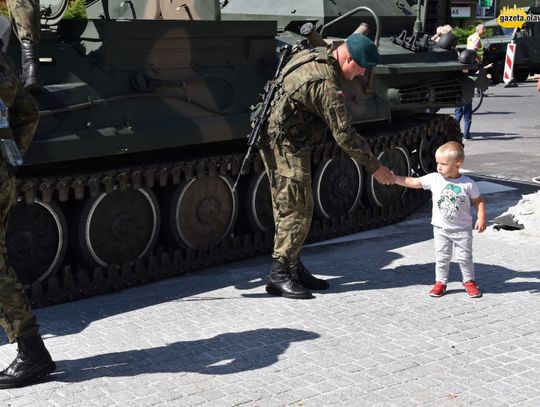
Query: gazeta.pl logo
[515, 17]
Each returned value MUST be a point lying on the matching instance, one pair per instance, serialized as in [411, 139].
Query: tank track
[75, 281]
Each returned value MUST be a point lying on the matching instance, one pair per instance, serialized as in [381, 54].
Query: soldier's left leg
[308, 280]
[281, 281]
[26, 19]
[294, 206]
[293, 202]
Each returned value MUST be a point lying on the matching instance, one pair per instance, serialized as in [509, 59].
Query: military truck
[143, 124]
[527, 56]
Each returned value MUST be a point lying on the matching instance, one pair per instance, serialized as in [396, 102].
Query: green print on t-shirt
[450, 201]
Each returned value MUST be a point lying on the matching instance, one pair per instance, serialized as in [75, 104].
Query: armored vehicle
[527, 56]
[143, 123]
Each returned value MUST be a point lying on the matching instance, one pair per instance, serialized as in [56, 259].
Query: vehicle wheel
[36, 240]
[477, 99]
[337, 187]
[398, 160]
[118, 227]
[521, 75]
[426, 151]
[202, 211]
[259, 203]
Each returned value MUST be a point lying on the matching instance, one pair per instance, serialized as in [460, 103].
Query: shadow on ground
[492, 136]
[223, 354]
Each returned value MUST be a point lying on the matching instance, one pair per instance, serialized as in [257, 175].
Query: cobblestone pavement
[214, 338]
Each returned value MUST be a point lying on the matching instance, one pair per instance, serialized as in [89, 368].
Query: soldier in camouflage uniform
[18, 121]
[309, 100]
[26, 18]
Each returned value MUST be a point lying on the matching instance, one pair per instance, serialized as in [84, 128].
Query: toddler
[452, 194]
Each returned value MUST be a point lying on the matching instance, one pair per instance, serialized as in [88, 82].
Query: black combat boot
[282, 283]
[301, 274]
[30, 65]
[32, 364]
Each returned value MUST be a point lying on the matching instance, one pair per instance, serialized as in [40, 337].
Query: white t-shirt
[451, 201]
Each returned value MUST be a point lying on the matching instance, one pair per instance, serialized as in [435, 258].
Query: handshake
[385, 176]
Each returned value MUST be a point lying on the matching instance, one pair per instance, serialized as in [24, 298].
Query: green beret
[362, 50]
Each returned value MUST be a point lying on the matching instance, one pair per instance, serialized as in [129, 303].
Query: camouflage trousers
[289, 173]
[26, 18]
[16, 317]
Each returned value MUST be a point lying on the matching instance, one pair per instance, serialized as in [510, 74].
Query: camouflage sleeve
[328, 102]
[26, 18]
[24, 116]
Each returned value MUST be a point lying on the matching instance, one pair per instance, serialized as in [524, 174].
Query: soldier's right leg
[26, 19]
[33, 361]
[15, 315]
[281, 281]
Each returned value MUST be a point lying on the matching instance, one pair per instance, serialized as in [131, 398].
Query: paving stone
[375, 338]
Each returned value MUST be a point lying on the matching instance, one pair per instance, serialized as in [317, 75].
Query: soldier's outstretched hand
[384, 176]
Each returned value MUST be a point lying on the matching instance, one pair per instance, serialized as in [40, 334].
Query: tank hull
[142, 131]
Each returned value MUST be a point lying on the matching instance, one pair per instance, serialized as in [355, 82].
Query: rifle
[259, 121]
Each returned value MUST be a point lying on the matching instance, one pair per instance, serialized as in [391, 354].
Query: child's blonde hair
[453, 150]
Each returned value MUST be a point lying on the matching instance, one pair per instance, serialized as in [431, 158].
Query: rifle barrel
[255, 134]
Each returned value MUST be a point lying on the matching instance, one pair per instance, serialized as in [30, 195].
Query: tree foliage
[463, 32]
[76, 10]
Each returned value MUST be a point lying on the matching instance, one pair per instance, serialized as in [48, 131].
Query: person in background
[441, 30]
[452, 197]
[465, 112]
[474, 42]
[469, 57]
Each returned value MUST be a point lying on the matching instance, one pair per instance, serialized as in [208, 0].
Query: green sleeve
[327, 100]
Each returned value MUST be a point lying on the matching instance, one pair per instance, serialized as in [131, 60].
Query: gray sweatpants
[444, 243]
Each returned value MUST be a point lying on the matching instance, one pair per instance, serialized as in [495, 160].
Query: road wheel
[259, 203]
[36, 240]
[118, 227]
[397, 158]
[337, 187]
[426, 152]
[202, 211]
[477, 99]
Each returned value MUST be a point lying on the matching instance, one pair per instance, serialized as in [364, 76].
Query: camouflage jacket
[23, 114]
[310, 100]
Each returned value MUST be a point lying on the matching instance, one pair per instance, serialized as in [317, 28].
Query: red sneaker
[472, 289]
[438, 289]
